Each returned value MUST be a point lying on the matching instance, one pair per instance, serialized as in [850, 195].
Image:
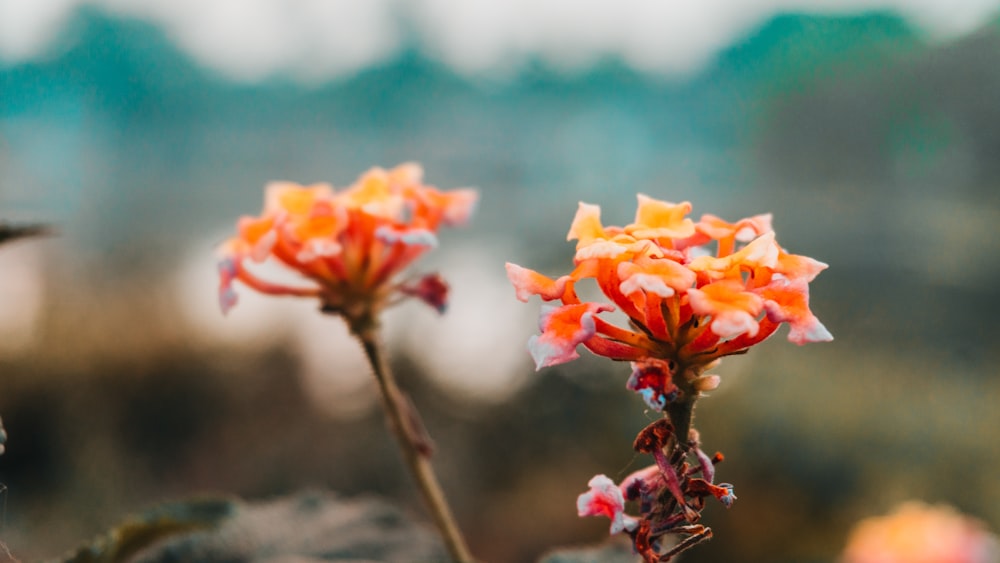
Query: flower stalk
[681, 415]
[404, 423]
[349, 246]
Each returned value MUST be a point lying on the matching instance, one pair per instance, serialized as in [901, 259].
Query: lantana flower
[348, 245]
[693, 292]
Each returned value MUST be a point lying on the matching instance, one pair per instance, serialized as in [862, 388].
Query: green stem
[681, 412]
[416, 452]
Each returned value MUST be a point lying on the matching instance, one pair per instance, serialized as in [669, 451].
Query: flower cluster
[693, 292]
[350, 244]
[918, 533]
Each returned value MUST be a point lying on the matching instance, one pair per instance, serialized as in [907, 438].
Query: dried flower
[348, 245]
[918, 533]
[605, 499]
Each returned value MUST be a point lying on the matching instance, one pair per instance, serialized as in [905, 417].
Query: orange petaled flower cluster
[918, 533]
[693, 291]
[349, 244]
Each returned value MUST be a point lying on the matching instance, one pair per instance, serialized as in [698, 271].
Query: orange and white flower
[693, 292]
[348, 245]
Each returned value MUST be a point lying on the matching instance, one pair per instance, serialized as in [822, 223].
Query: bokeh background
[140, 130]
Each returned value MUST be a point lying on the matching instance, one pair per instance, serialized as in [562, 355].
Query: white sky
[320, 39]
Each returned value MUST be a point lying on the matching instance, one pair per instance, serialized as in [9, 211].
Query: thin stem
[416, 451]
[681, 413]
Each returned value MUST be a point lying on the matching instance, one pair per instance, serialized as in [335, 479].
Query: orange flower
[348, 245]
[918, 533]
[693, 292]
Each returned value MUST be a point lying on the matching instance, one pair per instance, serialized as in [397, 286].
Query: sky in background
[316, 40]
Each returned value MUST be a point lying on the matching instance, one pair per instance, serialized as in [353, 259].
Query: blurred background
[140, 130]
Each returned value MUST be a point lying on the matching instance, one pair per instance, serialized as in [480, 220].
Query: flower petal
[318, 248]
[788, 301]
[259, 233]
[376, 194]
[733, 309]
[458, 206]
[661, 219]
[406, 173]
[563, 328]
[586, 225]
[794, 266]
[410, 237]
[662, 277]
[599, 249]
[605, 499]
[529, 282]
[707, 382]
[743, 230]
[292, 198]
[752, 227]
[761, 252]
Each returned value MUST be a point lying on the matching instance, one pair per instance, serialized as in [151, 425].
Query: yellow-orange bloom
[347, 245]
[918, 533]
[693, 292]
